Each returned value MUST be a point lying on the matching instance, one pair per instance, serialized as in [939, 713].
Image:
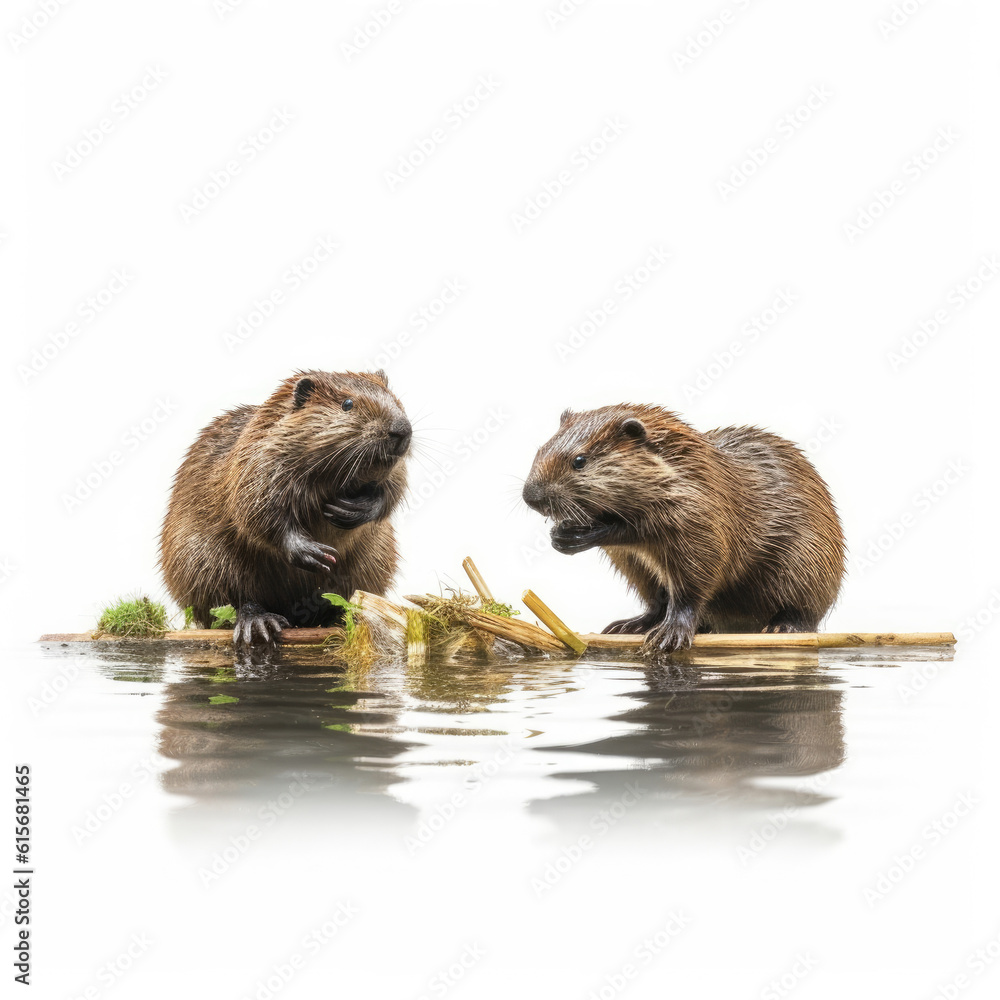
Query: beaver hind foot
[791, 620]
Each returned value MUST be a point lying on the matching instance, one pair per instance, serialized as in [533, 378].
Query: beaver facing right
[278, 503]
[728, 531]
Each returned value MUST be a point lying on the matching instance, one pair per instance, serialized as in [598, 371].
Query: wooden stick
[559, 628]
[289, 636]
[523, 633]
[477, 580]
[417, 640]
[530, 635]
[784, 640]
[750, 640]
[517, 631]
[377, 607]
[827, 639]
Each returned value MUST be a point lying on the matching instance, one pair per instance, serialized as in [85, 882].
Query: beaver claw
[257, 626]
[353, 511]
[789, 620]
[633, 626]
[675, 632]
[314, 557]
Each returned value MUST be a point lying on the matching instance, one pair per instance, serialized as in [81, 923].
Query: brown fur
[728, 531]
[248, 522]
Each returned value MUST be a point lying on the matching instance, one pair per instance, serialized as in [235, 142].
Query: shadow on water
[706, 732]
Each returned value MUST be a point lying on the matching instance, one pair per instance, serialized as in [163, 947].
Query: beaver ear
[302, 391]
[564, 416]
[634, 429]
[380, 377]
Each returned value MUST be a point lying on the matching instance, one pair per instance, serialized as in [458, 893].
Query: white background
[821, 375]
[825, 362]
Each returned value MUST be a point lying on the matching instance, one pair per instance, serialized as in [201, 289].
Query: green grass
[135, 617]
[222, 699]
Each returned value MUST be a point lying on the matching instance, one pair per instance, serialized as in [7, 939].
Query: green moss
[496, 608]
[222, 699]
[224, 675]
[133, 618]
[224, 616]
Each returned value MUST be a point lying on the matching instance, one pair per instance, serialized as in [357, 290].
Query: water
[820, 823]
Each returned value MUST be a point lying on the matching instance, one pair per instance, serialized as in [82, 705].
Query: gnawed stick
[552, 621]
[523, 633]
[384, 630]
[477, 580]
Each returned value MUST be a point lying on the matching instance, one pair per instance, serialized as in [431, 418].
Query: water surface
[536, 807]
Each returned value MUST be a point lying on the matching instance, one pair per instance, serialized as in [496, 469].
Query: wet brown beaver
[276, 504]
[728, 531]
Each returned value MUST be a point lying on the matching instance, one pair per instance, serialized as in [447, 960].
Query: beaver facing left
[276, 504]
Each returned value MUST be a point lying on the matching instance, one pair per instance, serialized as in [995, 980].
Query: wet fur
[732, 530]
[250, 495]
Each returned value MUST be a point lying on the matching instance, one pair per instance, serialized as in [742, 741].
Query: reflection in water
[707, 731]
[703, 732]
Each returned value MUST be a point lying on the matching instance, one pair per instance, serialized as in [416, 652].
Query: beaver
[732, 530]
[278, 503]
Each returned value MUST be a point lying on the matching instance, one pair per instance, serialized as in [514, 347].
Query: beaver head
[342, 428]
[605, 474]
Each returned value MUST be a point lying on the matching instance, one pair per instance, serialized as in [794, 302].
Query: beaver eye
[347, 404]
[579, 462]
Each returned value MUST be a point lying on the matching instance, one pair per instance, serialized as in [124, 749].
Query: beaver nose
[534, 496]
[400, 433]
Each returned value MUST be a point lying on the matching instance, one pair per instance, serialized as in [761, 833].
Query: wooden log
[374, 607]
[837, 639]
[523, 633]
[555, 624]
[784, 640]
[418, 637]
[289, 636]
[477, 580]
[384, 630]
[532, 636]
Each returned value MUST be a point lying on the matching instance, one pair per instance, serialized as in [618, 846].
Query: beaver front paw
[314, 557]
[353, 510]
[674, 633]
[255, 625]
